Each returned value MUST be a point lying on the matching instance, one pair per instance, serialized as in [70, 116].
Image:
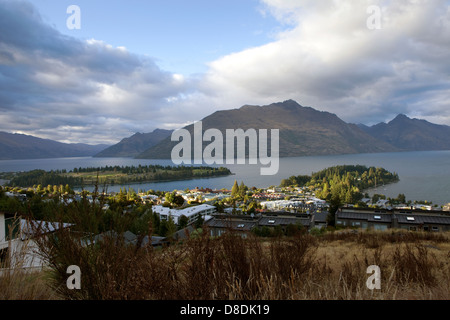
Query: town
[174, 238]
[328, 200]
[267, 212]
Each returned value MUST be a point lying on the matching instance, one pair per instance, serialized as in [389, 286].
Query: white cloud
[324, 56]
[330, 60]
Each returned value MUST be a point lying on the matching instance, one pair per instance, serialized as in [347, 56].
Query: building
[17, 245]
[383, 219]
[244, 224]
[319, 219]
[129, 238]
[192, 213]
[284, 221]
[6, 223]
[241, 224]
[365, 219]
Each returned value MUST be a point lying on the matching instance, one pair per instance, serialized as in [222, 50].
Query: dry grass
[21, 283]
[24, 285]
[329, 267]
[418, 269]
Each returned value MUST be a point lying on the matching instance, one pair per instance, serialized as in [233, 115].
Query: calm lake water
[423, 175]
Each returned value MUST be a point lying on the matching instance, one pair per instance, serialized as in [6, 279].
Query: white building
[3, 241]
[280, 204]
[18, 245]
[191, 213]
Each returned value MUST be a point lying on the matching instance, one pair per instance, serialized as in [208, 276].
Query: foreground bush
[230, 267]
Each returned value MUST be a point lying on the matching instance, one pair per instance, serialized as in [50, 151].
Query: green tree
[199, 222]
[285, 183]
[335, 204]
[182, 222]
[178, 200]
[156, 222]
[401, 198]
[170, 197]
[171, 227]
[162, 231]
[242, 189]
[235, 189]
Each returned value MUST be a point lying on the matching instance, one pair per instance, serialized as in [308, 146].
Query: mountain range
[21, 146]
[303, 131]
[411, 134]
[135, 145]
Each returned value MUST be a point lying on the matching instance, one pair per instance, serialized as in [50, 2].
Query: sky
[134, 66]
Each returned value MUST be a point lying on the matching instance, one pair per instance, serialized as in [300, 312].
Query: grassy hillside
[332, 266]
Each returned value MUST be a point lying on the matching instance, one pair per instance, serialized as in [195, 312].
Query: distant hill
[304, 131]
[135, 145]
[21, 146]
[409, 134]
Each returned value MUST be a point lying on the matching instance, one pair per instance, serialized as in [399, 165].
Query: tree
[178, 200]
[242, 189]
[235, 189]
[325, 191]
[349, 196]
[171, 227]
[199, 222]
[182, 222]
[171, 198]
[163, 228]
[401, 198]
[335, 204]
[285, 183]
[156, 222]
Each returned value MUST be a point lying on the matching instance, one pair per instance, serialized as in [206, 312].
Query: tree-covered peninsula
[343, 183]
[111, 175]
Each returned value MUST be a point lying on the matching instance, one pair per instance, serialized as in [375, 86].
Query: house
[244, 224]
[423, 221]
[383, 203]
[192, 213]
[319, 219]
[363, 218]
[283, 221]
[184, 233]
[6, 225]
[131, 239]
[220, 224]
[231, 210]
[148, 198]
[382, 219]
[319, 203]
[17, 245]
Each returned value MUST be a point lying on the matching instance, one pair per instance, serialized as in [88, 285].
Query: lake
[424, 175]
